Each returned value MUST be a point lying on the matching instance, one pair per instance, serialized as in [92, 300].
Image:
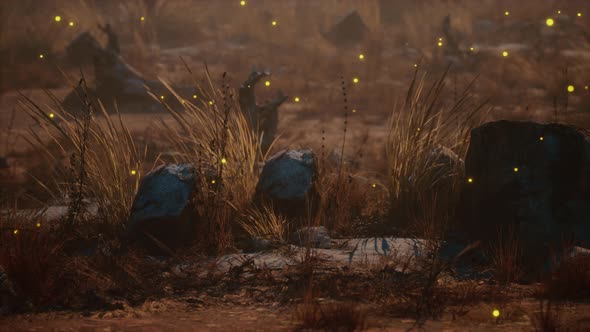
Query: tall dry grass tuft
[214, 134]
[32, 258]
[506, 257]
[263, 223]
[423, 131]
[112, 162]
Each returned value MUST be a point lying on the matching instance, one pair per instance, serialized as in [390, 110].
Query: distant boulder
[348, 31]
[287, 182]
[4, 163]
[162, 208]
[533, 178]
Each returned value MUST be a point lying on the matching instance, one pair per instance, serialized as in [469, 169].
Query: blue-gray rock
[533, 178]
[288, 182]
[163, 208]
[316, 237]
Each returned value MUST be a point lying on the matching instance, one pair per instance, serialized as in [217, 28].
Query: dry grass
[419, 129]
[337, 317]
[264, 223]
[31, 256]
[112, 162]
[506, 257]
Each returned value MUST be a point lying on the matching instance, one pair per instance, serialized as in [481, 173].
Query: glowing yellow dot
[515, 169]
[223, 161]
[541, 138]
[242, 3]
[570, 88]
[15, 231]
[296, 99]
[133, 172]
[496, 313]
[579, 14]
[472, 49]
[194, 96]
[440, 44]
[51, 115]
[274, 23]
[361, 56]
[418, 129]
[41, 56]
[162, 97]
[586, 87]
[267, 83]
[559, 12]
[38, 224]
[71, 23]
[374, 185]
[142, 18]
[505, 53]
[506, 13]
[354, 110]
[213, 181]
[355, 80]
[440, 39]
[550, 22]
[210, 102]
[470, 180]
[57, 18]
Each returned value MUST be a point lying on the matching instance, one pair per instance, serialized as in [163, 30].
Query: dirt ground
[177, 316]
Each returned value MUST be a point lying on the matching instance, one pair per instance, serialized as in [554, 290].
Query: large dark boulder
[288, 181]
[348, 31]
[162, 208]
[531, 178]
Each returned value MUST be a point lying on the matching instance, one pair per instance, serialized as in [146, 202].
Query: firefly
[515, 169]
[570, 88]
[194, 96]
[242, 3]
[472, 49]
[41, 56]
[213, 181]
[505, 53]
[579, 14]
[470, 180]
[142, 18]
[355, 80]
[296, 99]
[38, 224]
[71, 23]
[210, 102]
[586, 87]
[223, 161]
[440, 44]
[541, 138]
[57, 18]
[559, 12]
[361, 57]
[506, 13]
[415, 65]
[162, 97]
[496, 313]
[51, 115]
[354, 110]
[15, 232]
[267, 83]
[374, 185]
[133, 172]
[274, 23]
[550, 22]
